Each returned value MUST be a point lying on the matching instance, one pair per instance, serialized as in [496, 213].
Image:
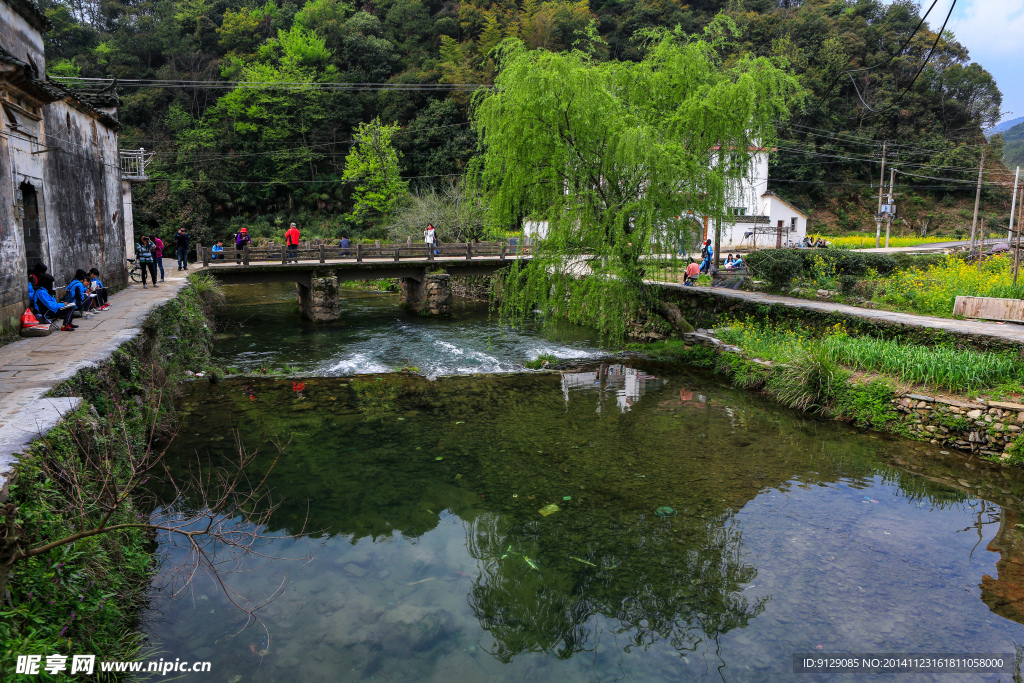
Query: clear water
[410, 514]
[261, 327]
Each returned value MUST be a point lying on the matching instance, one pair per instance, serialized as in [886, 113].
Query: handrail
[359, 253]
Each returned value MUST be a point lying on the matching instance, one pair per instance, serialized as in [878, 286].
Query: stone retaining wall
[985, 427]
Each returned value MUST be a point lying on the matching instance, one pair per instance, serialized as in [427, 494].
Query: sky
[993, 33]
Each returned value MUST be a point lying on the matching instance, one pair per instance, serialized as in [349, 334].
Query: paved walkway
[30, 367]
[1004, 332]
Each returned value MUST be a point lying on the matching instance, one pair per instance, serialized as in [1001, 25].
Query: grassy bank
[83, 596]
[941, 367]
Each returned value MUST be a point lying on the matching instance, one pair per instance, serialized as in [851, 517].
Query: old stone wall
[82, 183]
[985, 427]
[319, 302]
[21, 33]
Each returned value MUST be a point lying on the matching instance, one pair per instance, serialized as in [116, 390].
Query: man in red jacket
[291, 239]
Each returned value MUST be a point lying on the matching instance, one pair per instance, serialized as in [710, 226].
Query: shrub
[807, 380]
[779, 267]
[847, 284]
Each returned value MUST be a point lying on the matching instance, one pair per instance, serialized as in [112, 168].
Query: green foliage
[607, 152]
[869, 405]
[540, 361]
[938, 365]
[1013, 139]
[372, 166]
[80, 597]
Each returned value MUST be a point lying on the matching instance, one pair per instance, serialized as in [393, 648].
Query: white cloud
[992, 28]
[992, 31]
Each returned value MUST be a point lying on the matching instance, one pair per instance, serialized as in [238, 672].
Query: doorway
[32, 231]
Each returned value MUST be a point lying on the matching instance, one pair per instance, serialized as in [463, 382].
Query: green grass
[942, 367]
[540, 361]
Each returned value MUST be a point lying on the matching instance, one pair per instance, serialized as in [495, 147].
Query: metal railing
[133, 163]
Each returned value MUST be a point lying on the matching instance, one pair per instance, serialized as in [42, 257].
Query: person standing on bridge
[430, 237]
[242, 239]
[291, 239]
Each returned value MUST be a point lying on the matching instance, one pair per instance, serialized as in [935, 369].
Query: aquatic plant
[808, 379]
[540, 361]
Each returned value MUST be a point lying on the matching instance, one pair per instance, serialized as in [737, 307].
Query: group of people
[149, 254]
[707, 255]
[85, 294]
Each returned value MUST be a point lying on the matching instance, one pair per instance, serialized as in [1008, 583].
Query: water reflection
[698, 532]
[628, 384]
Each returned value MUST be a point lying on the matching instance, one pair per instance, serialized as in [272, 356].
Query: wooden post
[323, 253]
[503, 246]
[205, 253]
[284, 254]
[397, 250]
[245, 255]
[430, 251]
[469, 250]
[359, 253]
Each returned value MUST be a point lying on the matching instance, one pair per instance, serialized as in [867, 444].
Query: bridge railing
[362, 252]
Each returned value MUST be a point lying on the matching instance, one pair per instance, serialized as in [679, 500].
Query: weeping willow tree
[610, 154]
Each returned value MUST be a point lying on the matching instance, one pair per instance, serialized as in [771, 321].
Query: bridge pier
[433, 295]
[319, 301]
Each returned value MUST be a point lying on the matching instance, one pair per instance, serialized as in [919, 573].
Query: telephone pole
[889, 214]
[977, 202]
[881, 188]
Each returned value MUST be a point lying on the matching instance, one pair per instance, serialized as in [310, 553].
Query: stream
[632, 521]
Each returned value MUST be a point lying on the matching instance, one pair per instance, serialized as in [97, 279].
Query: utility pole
[889, 213]
[881, 188]
[1013, 203]
[1020, 229]
[977, 202]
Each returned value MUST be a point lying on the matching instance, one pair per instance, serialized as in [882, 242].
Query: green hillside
[1014, 150]
[262, 157]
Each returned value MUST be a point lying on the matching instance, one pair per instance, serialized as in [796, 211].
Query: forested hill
[263, 156]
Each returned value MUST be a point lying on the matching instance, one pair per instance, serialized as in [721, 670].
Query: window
[736, 211]
[792, 224]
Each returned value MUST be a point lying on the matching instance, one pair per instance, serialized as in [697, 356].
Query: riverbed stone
[974, 414]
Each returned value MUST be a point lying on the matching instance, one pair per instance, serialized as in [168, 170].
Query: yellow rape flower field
[933, 291]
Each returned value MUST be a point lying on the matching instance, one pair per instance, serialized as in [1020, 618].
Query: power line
[277, 85]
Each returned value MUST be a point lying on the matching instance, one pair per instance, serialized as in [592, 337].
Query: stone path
[30, 367]
[1005, 332]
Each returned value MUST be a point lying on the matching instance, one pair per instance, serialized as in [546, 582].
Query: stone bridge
[424, 278]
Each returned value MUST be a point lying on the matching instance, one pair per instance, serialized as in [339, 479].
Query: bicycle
[134, 271]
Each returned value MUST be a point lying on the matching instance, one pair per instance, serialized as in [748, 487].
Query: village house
[756, 217]
[62, 193]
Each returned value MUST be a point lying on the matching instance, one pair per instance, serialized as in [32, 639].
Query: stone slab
[1006, 406]
[33, 422]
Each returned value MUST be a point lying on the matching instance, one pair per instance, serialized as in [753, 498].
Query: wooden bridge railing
[360, 252]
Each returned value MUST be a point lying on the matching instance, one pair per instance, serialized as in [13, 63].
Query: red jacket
[291, 237]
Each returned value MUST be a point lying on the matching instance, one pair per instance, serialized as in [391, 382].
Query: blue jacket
[46, 303]
[75, 293]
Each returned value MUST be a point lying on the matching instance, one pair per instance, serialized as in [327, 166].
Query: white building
[756, 217]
